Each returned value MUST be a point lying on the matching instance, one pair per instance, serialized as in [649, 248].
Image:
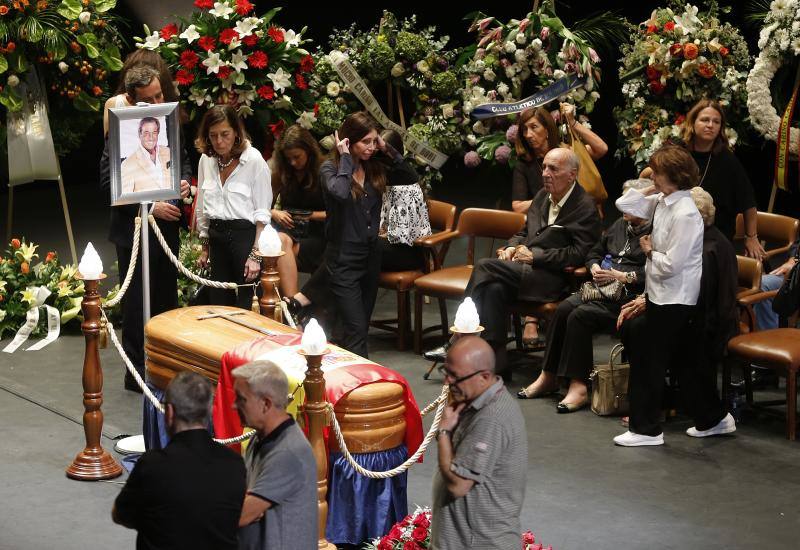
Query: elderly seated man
[562, 226]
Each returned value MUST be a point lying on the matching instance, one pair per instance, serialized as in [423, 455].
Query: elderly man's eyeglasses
[447, 374]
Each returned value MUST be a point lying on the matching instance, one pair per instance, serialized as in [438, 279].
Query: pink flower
[544, 33]
[472, 159]
[502, 154]
[511, 133]
[593, 56]
[528, 537]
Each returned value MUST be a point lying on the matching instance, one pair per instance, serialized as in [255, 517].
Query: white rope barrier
[442, 403]
[110, 304]
[183, 269]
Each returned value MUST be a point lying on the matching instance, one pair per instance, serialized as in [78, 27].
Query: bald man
[561, 228]
[479, 487]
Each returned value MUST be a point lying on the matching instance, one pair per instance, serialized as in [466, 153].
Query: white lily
[246, 96]
[190, 34]
[688, 22]
[307, 120]
[291, 38]
[213, 63]
[221, 9]
[238, 61]
[280, 79]
[199, 97]
[246, 26]
[152, 42]
[284, 102]
[235, 43]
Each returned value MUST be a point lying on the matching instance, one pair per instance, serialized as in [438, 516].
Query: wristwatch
[443, 431]
[630, 277]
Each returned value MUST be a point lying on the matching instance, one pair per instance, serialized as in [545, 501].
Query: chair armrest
[777, 251]
[437, 238]
[755, 298]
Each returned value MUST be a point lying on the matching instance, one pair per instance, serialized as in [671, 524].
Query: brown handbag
[610, 386]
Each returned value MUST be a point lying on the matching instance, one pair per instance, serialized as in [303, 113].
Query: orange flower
[1, 298]
[15, 244]
[97, 90]
[706, 70]
[3, 10]
[24, 268]
[691, 50]
[723, 51]
[41, 5]
[50, 257]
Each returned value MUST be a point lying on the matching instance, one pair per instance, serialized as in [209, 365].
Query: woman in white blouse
[663, 337]
[234, 199]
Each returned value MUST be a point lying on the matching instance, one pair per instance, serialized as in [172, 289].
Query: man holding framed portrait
[165, 180]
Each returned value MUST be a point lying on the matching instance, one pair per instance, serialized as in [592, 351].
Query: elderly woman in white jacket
[663, 336]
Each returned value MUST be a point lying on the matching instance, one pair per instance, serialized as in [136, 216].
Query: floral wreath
[676, 57]
[779, 43]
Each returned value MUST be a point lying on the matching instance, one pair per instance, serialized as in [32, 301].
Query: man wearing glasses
[479, 488]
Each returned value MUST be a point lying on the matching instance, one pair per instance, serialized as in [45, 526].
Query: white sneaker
[630, 439]
[725, 426]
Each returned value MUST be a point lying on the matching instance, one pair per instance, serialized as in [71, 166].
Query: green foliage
[377, 60]
[411, 46]
[444, 84]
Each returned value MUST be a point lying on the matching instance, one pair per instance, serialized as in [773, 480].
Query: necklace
[708, 163]
[223, 165]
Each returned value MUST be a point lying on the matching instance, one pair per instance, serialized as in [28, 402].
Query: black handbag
[787, 301]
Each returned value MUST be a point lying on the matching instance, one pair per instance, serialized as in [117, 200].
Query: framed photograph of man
[144, 153]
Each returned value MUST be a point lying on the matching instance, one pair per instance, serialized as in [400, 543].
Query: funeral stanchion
[269, 249]
[93, 462]
[314, 347]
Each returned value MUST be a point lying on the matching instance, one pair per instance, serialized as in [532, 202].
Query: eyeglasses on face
[447, 374]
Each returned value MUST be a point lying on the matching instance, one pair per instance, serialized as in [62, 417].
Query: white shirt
[246, 195]
[555, 207]
[676, 263]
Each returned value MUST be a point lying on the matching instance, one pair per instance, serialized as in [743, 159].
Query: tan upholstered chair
[450, 283]
[442, 216]
[779, 232]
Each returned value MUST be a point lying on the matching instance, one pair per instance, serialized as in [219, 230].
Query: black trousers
[353, 270]
[492, 286]
[229, 244]
[163, 296]
[569, 352]
[400, 257]
[665, 338]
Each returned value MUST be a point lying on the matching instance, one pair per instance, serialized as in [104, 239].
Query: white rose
[510, 47]
[327, 142]
[595, 95]
[536, 44]
[63, 67]
[520, 38]
[467, 107]
[479, 128]
[558, 73]
[478, 92]
[423, 66]
[13, 81]
[333, 89]
[479, 65]
[447, 111]
[472, 140]
[84, 17]
[398, 70]
[489, 75]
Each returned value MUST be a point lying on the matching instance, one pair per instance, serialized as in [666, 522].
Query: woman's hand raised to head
[381, 144]
[343, 146]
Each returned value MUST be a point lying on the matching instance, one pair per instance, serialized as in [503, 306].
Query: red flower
[307, 64]
[669, 26]
[276, 34]
[676, 50]
[266, 92]
[184, 77]
[300, 81]
[50, 257]
[422, 521]
[15, 243]
[723, 51]
[316, 109]
[652, 73]
[528, 537]
[258, 60]
[207, 43]
[706, 70]
[656, 87]
[397, 532]
[386, 544]
[169, 31]
[224, 72]
[419, 534]
[250, 40]
[204, 4]
[227, 36]
[189, 59]
[679, 119]
[243, 7]
[690, 50]
[411, 545]
[651, 29]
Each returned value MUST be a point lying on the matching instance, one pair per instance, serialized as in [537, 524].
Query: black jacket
[555, 247]
[716, 318]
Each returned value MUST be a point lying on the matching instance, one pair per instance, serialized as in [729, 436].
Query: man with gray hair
[280, 507]
[561, 228]
[188, 494]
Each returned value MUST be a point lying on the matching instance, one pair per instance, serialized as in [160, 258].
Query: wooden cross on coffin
[228, 316]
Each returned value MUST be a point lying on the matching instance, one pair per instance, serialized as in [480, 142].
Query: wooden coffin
[372, 417]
